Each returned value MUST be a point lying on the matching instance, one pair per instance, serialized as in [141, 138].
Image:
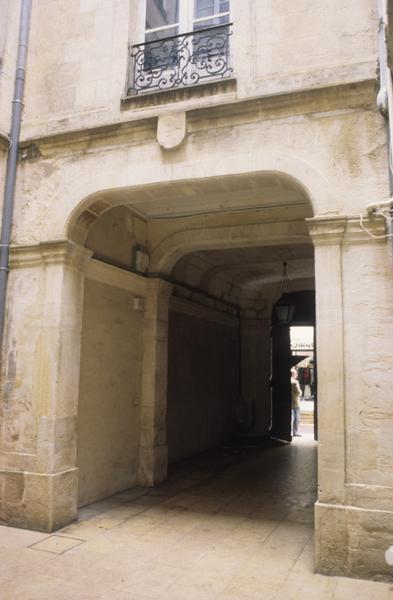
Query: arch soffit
[314, 185]
[166, 254]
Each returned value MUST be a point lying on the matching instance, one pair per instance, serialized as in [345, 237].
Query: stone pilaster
[153, 451]
[353, 307]
[40, 383]
[327, 234]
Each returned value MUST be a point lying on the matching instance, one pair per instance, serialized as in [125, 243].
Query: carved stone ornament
[171, 130]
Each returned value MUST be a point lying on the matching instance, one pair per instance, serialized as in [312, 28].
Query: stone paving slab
[245, 533]
[56, 544]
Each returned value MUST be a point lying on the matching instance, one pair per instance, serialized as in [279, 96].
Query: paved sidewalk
[233, 524]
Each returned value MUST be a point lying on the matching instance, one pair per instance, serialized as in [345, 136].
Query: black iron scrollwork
[181, 60]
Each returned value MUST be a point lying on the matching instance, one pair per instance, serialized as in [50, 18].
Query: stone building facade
[150, 227]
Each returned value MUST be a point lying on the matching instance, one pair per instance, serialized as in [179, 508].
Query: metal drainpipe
[12, 159]
[385, 94]
[382, 98]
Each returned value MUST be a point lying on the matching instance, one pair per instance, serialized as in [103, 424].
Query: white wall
[9, 31]
[78, 62]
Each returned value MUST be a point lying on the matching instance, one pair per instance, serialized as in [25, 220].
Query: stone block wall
[109, 393]
[203, 392]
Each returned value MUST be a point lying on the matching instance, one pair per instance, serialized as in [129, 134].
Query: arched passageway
[176, 348]
[220, 350]
[131, 271]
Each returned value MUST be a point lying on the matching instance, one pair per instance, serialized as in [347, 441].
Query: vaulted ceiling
[249, 277]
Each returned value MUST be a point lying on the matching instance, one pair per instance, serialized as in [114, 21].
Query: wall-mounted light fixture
[284, 307]
[140, 259]
[138, 303]
[389, 556]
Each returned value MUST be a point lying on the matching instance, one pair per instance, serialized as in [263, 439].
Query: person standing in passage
[296, 392]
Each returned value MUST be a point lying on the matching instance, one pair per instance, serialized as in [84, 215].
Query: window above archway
[186, 42]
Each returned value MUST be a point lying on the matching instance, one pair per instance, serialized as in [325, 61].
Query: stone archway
[263, 222]
[92, 197]
[248, 228]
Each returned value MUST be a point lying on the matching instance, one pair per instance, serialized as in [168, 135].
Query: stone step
[307, 417]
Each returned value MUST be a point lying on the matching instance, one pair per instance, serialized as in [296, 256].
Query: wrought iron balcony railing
[181, 60]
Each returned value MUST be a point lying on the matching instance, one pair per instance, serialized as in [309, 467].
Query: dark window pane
[161, 53]
[211, 49]
[205, 8]
[160, 35]
[161, 12]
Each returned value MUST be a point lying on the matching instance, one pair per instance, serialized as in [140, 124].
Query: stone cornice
[87, 138]
[54, 252]
[305, 101]
[329, 230]
[356, 234]
[159, 287]
[116, 277]
[144, 124]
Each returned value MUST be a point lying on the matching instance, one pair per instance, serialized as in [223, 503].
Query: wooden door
[281, 383]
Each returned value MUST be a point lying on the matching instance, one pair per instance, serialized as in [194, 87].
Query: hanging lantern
[284, 308]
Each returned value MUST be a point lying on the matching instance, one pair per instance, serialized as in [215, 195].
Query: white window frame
[185, 25]
[216, 14]
[186, 19]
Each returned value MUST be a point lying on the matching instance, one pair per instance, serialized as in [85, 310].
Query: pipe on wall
[385, 94]
[12, 158]
[382, 97]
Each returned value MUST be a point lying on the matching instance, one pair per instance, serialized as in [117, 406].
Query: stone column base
[352, 541]
[153, 464]
[39, 501]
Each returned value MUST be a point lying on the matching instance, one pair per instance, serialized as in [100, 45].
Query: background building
[153, 214]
